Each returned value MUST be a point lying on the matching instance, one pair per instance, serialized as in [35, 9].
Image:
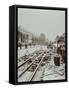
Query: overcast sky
[49, 22]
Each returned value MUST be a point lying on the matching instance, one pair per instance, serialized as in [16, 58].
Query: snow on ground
[48, 72]
[53, 72]
[29, 50]
[39, 74]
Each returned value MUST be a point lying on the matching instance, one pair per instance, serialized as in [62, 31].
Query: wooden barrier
[57, 60]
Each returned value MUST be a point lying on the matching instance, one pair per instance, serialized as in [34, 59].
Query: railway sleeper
[29, 61]
[32, 68]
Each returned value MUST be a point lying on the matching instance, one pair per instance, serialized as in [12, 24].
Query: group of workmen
[61, 51]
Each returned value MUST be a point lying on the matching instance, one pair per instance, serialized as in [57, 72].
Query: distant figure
[25, 45]
[20, 46]
[58, 50]
[63, 54]
[61, 51]
[30, 44]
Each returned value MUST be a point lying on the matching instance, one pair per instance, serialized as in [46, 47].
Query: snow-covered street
[43, 70]
[30, 50]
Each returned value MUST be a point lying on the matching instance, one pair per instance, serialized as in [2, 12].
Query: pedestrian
[25, 45]
[20, 46]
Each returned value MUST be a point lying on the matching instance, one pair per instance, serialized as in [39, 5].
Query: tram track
[35, 64]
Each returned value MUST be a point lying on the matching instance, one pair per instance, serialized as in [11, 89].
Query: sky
[49, 22]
